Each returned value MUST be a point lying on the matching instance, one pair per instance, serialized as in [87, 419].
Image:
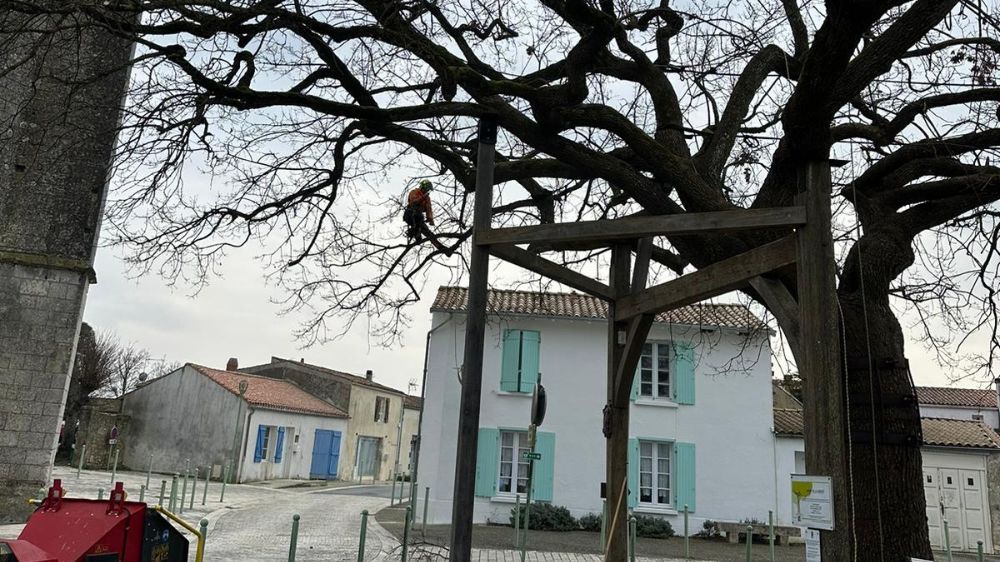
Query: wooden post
[820, 355]
[463, 499]
[617, 420]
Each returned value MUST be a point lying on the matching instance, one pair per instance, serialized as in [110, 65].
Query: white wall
[790, 455]
[729, 423]
[990, 415]
[297, 458]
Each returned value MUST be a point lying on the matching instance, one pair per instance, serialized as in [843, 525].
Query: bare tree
[91, 369]
[128, 369]
[309, 114]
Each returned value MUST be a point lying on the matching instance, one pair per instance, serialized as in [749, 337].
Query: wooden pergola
[809, 320]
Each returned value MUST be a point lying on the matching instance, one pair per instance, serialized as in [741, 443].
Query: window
[266, 448]
[520, 360]
[654, 370]
[513, 477]
[381, 409]
[654, 473]
[977, 417]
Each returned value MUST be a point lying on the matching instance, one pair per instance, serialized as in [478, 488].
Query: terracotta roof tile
[948, 396]
[413, 402]
[576, 305]
[354, 379]
[271, 394]
[939, 432]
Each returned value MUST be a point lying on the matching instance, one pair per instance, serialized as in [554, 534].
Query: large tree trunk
[888, 499]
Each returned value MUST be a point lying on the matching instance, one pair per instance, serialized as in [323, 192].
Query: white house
[700, 420]
[961, 466]
[275, 429]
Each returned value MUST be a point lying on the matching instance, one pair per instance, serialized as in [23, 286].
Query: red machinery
[79, 530]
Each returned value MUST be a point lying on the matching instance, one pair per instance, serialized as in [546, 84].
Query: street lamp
[236, 429]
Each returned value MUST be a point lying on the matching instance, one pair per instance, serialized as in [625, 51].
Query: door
[951, 499]
[932, 497]
[958, 497]
[366, 465]
[325, 455]
[974, 516]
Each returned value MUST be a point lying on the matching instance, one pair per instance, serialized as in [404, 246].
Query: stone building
[59, 113]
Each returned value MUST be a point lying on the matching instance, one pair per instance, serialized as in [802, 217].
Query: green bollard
[100, 494]
[687, 535]
[749, 542]
[208, 476]
[225, 476]
[149, 470]
[40, 494]
[392, 496]
[79, 467]
[294, 539]
[194, 488]
[142, 493]
[184, 486]
[770, 533]
[604, 525]
[114, 468]
[361, 543]
[427, 500]
[517, 520]
[163, 492]
[631, 537]
[406, 532]
[173, 492]
[979, 551]
[947, 540]
[203, 527]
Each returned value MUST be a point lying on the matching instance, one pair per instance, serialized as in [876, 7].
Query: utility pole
[463, 500]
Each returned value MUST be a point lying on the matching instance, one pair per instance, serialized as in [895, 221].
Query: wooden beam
[638, 331]
[783, 306]
[711, 281]
[552, 270]
[617, 416]
[606, 231]
[640, 271]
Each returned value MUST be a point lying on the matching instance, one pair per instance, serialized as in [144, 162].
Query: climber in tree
[418, 210]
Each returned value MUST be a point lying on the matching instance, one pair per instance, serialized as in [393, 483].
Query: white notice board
[812, 501]
[812, 545]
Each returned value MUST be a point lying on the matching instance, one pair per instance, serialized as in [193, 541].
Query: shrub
[652, 527]
[709, 530]
[403, 477]
[546, 517]
[591, 522]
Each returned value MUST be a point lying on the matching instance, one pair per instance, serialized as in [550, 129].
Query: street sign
[812, 501]
[531, 456]
[113, 436]
[813, 552]
[538, 402]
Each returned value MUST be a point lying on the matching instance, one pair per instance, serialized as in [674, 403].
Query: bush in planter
[591, 522]
[648, 527]
[546, 517]
[709, 530]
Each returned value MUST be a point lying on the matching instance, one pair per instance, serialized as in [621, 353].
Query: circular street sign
[538, 401]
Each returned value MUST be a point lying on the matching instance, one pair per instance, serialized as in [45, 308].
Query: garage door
[958, 497]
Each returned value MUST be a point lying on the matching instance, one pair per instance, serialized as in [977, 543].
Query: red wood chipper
[80, 530]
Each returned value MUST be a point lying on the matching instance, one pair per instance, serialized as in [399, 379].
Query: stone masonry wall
[59, 112]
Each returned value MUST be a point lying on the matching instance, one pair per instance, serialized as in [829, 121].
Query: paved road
[376, 491]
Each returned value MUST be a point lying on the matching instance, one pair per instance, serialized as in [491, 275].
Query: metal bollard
[114, 468]
[294, 539]
[194, 488]
[184, 487]
[979, 551]
[163, 492]
[604, 525]
[770, 533]
[225, 476]
[517, 520]
[392, 496]
[947, 540]
[361, 543]
[40, 494]
[149, 470]
[100, 494]
[208, 476]
[749, 542]
[427, 498]
[79, 467]
[203, 527]
[631, 537]
[142, 493]
[406, 532]
[173, 492]
[687, 535]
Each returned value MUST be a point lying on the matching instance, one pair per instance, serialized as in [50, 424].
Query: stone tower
[60, 94]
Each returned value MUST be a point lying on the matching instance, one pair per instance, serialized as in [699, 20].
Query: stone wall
[993, 493]
[58, 118]
[97, 418]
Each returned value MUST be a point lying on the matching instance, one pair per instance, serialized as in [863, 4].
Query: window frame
[516, 463]
[266, 448]
[655, 474]
[655, 378]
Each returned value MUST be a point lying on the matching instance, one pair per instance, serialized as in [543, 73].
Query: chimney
[369, 374]
[996, 385]
[232, 364]
[302, 359]
[788, 379]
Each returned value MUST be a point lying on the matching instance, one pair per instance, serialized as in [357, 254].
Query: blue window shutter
[633, 473]
[279, 445]
[683, 373]
[635, 382]
[511, 360]
[544, 470]
[486, 462]
[530, 350]
[258, 453]
[684, 479]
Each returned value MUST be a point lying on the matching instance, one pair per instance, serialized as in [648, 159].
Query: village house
[701, 398]
[260, 427]
[376, 434]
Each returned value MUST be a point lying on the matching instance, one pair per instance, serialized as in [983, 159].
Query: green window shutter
[486, 462]
[684, 479]
[530, 350]
[544, 470]
[635, 383]
[511, 360]
[683, 373]
[633, 473]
